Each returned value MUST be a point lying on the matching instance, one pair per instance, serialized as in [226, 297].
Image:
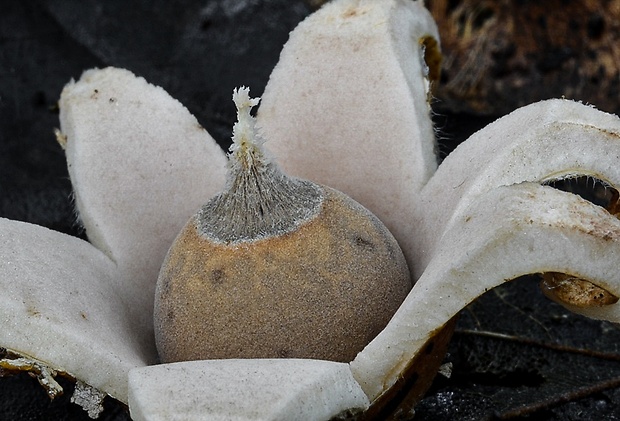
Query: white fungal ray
[540, 142]
[505, 233]
[140, 165]
[282, 389]
[347, 105]
[59, 305]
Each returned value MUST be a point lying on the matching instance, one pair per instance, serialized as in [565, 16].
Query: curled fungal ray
[540, 142]
[507, 232]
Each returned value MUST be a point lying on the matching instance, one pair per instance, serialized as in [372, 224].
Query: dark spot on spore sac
[364, 243]
[429, 348]
[165, 286]
[284, 353]
[217, 277]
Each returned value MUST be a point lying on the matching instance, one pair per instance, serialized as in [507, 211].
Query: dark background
[514, 354]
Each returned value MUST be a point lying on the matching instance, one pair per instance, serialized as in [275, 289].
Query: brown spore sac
[322, 291]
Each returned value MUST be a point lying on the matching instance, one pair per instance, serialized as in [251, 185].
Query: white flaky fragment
[89, 398]
[347, 105]
[259, 390]
[140, 165]
[59, 305]
[540, 142]
[506, 233]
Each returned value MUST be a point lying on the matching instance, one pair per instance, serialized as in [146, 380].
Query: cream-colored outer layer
[140, 165]
[346, 106]
[322, 291]
[59, 305]
[260, 390]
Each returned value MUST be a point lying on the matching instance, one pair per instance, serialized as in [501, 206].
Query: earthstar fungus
[486, 215]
